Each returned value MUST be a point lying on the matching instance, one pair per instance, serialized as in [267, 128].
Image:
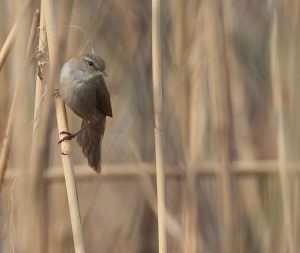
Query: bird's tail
[90, 140]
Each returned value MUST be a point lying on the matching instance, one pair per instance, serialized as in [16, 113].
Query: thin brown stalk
[278, 90]
[69, 177]
[197, 111]
[41, 63]
[249, 196]
[38, 153]
[172, 225]
[54, 40]
[294, 103]
[134, 170]
[55, 37]
[8, 132]
[7, 44]
[219, 85]
[31, 214]
[12, 34]
[158, 130]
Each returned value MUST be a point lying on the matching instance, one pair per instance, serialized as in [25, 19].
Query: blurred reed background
[231, 127]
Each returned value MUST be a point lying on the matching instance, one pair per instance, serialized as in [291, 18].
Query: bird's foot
[69, 136]
[55, 93]
[65, 132]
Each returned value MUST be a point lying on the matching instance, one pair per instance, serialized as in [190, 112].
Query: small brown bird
[83, 89]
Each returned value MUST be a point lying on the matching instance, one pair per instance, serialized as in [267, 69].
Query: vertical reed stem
[8, 132]
[219, 86]
[69, 177]
[7, 44]
[158, 109]
[11, 36]
[39, 83]
[278, 90]
[55, 38]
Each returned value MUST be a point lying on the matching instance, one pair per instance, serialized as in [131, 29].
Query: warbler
[83, 89]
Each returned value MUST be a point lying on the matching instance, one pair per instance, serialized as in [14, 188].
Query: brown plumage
[83, 89]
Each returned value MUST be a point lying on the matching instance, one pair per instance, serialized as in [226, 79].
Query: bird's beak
[104, 73]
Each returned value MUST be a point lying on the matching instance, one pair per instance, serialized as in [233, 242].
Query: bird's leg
[70, 136]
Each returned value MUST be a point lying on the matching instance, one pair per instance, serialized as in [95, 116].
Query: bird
[82, 87]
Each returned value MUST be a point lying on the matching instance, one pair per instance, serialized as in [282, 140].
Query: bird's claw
[65, 132]
[68, 137]
[55, 93]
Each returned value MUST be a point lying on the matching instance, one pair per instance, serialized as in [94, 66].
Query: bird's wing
[103, 97]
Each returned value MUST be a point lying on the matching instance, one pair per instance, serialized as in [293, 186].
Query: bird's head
[83, 68]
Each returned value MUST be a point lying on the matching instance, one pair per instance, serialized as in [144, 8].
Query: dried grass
[226, 141]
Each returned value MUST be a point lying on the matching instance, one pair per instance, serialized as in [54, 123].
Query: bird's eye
[90, 63]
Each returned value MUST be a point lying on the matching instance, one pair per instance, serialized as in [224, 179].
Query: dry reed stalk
[3, 54]
[54, 43]
[31, 217]
[180, 113]
[135, 170]
[294, 103]
[172, 225]
[219, 85]
[189, 213]
[40, 56]
[7, 44]
[69, 177]
[180, 105]
[131, 170]
[11, 36]
[249, 196]
[197, 112]
[280, 109]
[158, 130]
[38, 153]
[292, 57]
[8, 132]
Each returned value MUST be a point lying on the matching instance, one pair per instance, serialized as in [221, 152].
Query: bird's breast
[81, 98]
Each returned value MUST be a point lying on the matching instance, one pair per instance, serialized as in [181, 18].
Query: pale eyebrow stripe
[88, 59]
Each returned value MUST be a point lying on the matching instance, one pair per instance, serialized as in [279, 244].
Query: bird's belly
[82, 101]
